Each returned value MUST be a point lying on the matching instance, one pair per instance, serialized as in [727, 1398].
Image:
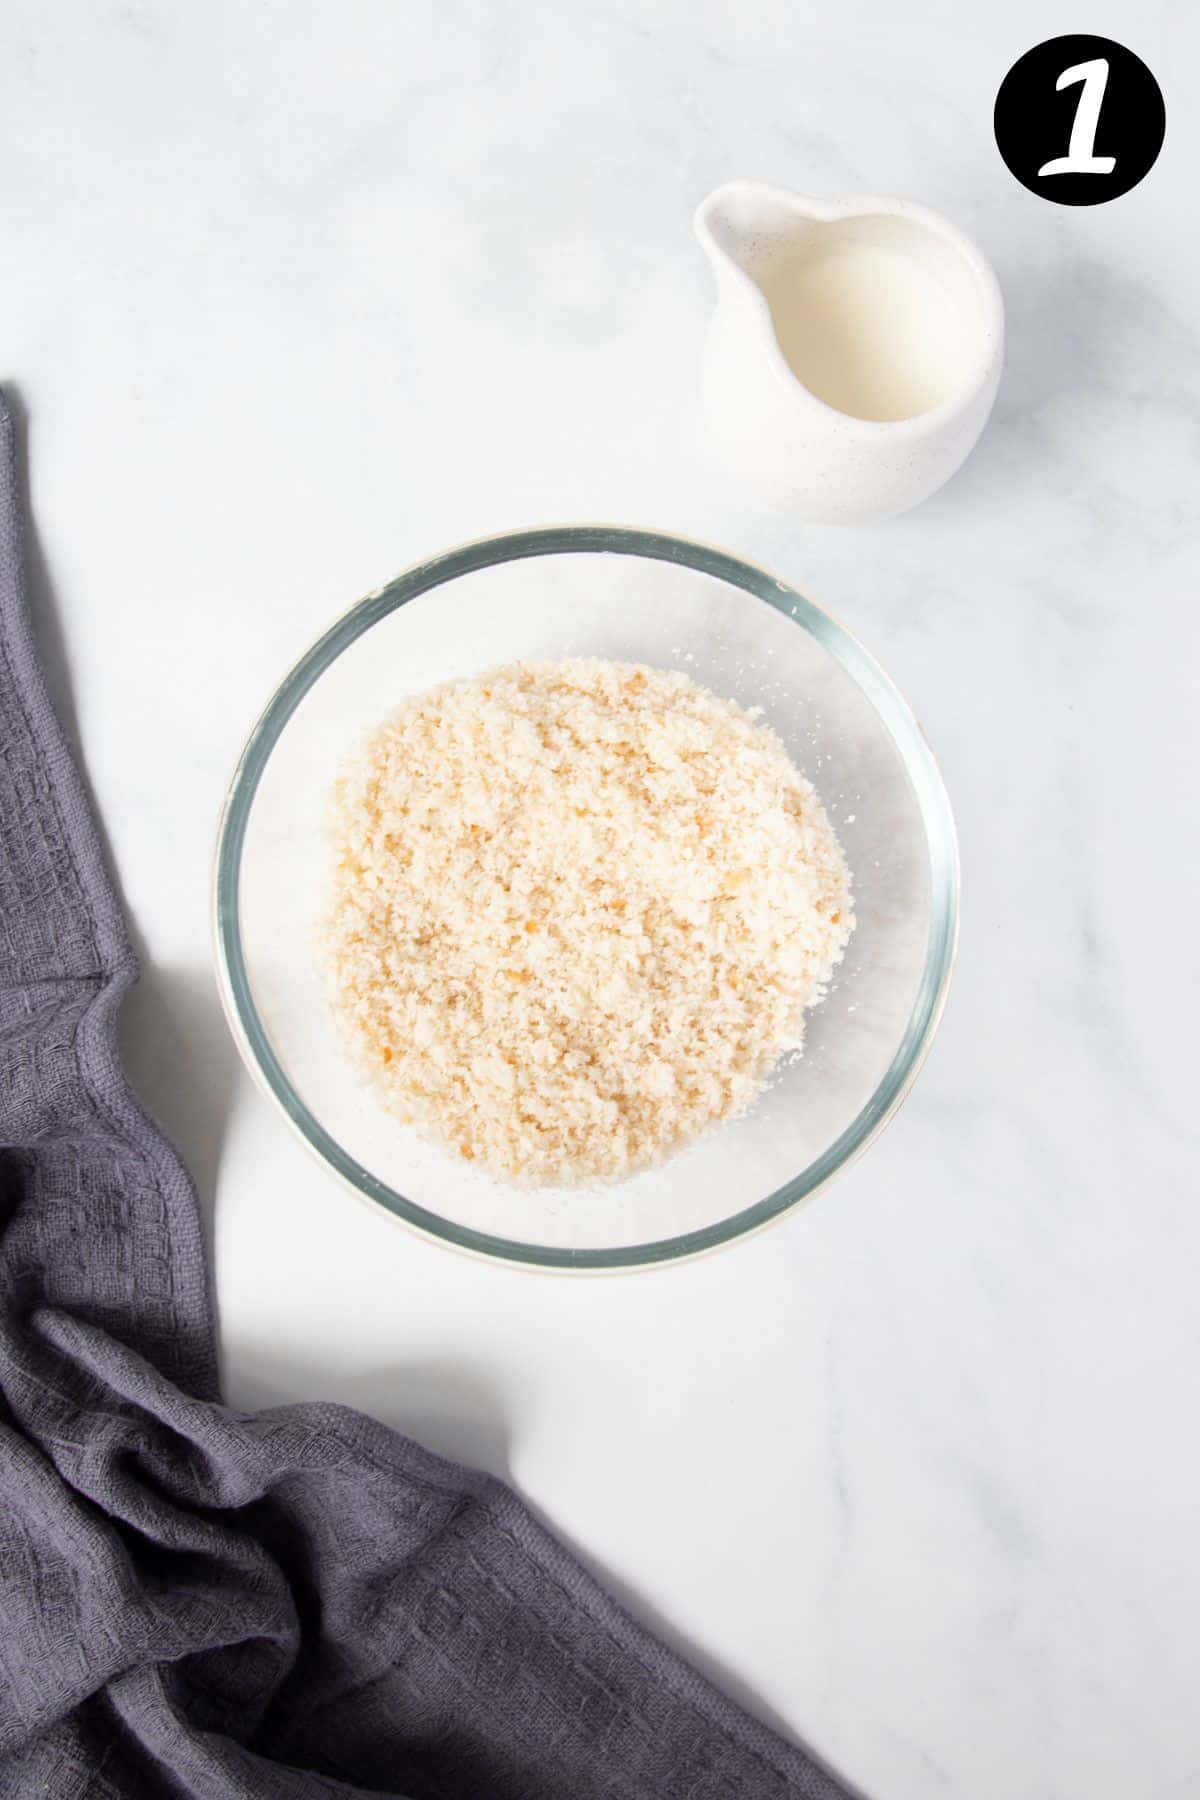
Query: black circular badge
[1079, 120]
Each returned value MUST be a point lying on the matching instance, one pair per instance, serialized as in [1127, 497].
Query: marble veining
[292, 298]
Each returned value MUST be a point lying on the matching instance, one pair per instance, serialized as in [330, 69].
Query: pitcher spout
[742, 224]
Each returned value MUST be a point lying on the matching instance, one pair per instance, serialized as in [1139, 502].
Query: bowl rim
[920, 766]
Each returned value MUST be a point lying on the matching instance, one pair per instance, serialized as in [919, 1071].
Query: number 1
[1081, 158]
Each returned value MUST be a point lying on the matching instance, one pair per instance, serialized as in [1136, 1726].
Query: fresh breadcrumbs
[578, 911]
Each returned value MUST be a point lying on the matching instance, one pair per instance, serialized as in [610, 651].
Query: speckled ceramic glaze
[797, 452]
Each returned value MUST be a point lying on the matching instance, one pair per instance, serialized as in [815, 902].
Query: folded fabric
[195, 1601]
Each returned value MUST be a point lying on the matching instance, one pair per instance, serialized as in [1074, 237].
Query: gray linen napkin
[200, 1602]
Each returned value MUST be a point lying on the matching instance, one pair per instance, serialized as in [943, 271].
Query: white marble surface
[294, 295]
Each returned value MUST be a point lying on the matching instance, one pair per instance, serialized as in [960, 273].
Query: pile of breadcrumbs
[578, 911]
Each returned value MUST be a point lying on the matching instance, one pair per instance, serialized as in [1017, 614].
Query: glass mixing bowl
[633, 596]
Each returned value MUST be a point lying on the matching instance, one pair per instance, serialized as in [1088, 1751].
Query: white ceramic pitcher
[855, 351]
